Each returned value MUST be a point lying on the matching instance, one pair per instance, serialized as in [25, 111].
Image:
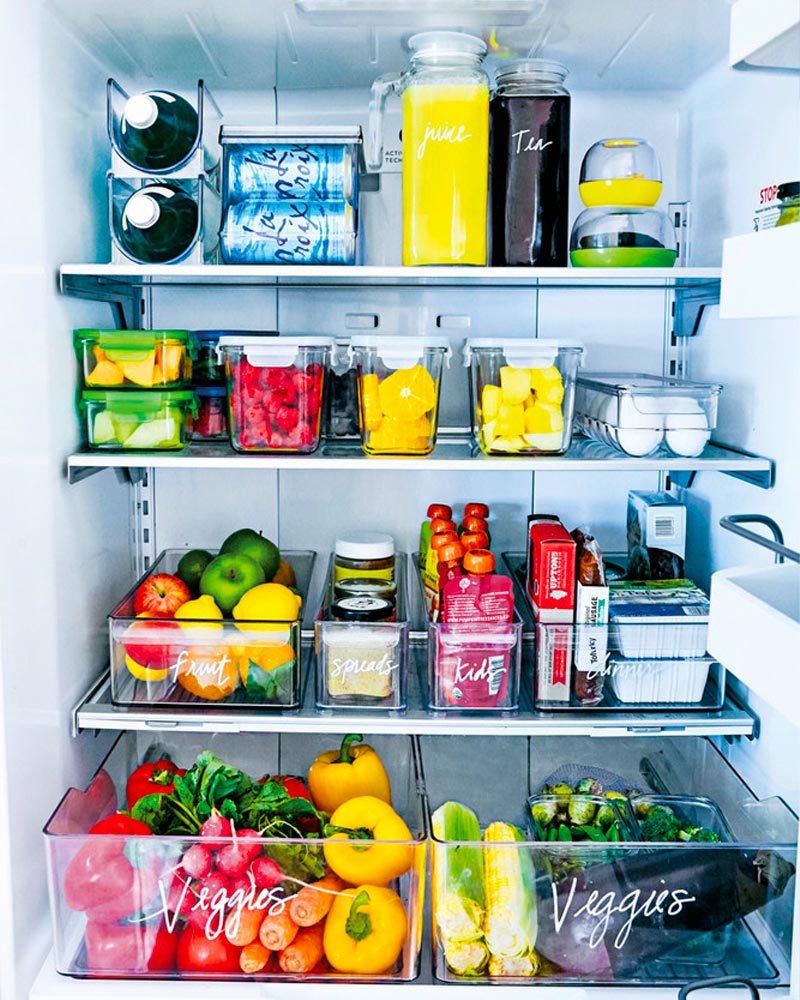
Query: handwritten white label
[442, 133]
[490, 671]
[603, 908]
[211, 668]
[343, 667]
[220, 905]
[531, 145]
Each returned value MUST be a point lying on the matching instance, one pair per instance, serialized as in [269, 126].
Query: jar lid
[472, 540]
[427, 44]
[479, 561]
[440, 510]
[399, 352]
[364, 545]
[790, 189]
[270, 351]
[216, 391]
[520, 352]
[367, 586]
[441, 524]
[451, 552]
[214, 335]
[474, 523]
[529, 69]
[445, 538]
[133, 339]
[476, 510]
[362, 609]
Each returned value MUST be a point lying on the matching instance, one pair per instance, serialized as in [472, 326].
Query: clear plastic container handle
[385, 85]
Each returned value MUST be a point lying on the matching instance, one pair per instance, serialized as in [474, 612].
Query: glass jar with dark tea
[530, 164]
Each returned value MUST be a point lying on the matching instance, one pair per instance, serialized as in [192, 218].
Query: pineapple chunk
[491, 398]
[511, 420]
[544, 442]
[547, 384]
[488, 430]
[515, 384]
[543, 419]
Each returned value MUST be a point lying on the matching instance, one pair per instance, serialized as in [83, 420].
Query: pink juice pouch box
[474, 655]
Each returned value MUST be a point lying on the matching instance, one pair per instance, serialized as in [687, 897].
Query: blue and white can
[286, 232]
[297, 171]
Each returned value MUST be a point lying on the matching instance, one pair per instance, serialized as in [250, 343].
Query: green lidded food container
[139, 421]
[144, 359]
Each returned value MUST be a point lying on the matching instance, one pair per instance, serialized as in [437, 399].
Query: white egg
[687, 433]
[639, 442]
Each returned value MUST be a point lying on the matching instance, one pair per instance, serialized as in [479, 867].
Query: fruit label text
[531, 144]
[207, 669]
[442, 133]
[603, 907]
[342, 667]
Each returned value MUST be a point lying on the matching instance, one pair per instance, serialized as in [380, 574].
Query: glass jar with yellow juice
[445, 96]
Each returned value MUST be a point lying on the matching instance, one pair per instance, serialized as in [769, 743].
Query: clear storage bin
[691, 811]
[517, 910]
[640, 414]
[620, 172]
[622, 236]
[123, 878]
[147, 420]
[144, 358]
[195, 663]
[398, 392]
[211, 421]
[275, 388]
[363, 664]
[522, 393]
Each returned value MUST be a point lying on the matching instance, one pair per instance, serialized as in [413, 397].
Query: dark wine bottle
[158, 130]
[158, 224]
[630, 911]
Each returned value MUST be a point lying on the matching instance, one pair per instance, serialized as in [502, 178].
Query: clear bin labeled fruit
[399, 411]
[524, 412]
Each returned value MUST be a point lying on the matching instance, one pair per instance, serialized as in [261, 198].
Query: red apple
[161, 595]
[146, 643]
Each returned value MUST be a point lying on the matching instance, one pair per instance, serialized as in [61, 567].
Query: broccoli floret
[661, 824]
[699, 834]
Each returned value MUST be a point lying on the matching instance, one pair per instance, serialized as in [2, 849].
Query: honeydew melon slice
[103, 430]
[124, 424]
[164, 432]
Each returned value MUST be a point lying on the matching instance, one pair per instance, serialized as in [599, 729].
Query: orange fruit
[266, 657]
[209, 672]
[408, 393]
[285, 574]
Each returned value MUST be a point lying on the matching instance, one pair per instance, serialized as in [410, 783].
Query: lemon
[268, 602]
[151, 674]
[204, 612]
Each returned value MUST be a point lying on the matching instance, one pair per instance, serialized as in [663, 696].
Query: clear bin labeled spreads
[574, 910]
[363, 664]
[522, 393]
[145, 420]
[147, 359]
[196, 663]
[145, 907]
[276, 388]
[641, 414]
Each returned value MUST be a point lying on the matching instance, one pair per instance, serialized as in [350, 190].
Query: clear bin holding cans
[290, 195]
[275, 391]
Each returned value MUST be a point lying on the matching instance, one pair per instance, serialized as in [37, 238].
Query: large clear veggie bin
[194, 661]
[144, 358]
[398, 392]
[362, 643]
[146, 420]
[522, 393]
[508, 907]
[222, 887]
[275, 387]
[640, 414]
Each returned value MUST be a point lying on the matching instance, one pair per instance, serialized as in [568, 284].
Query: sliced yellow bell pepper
[365, 930]
[339, 775]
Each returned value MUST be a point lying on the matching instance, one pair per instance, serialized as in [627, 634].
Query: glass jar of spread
[789, 198]
[362, 609]
[355, 586]
[364, 554]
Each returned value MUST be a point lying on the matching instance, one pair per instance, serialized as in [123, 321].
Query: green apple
[191, 568]
[246, 542]
[228, 578]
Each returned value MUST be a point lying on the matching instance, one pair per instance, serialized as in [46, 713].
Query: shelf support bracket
[690, 303]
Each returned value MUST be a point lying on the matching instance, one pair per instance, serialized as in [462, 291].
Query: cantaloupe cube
[105, 373]
[140, 372]
[511, 420]
[158, 375]
[547, 384]
[515, 384]
[171, 358]
[99, 353]
[491, 398]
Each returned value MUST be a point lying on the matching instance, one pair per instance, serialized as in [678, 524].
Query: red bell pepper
[130, 947]
[155, 778]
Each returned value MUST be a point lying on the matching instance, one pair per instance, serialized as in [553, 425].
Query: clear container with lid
[362, 555]
[789, 198]
[530, 114]
[144, 358]
[620, 172]
[148, 420]
[522, 392]
[618, 236]
[445, 97]
[208, 368]
[275, 390]
[210, 423]
[398, 392]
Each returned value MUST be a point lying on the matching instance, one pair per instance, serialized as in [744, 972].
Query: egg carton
[640, 414]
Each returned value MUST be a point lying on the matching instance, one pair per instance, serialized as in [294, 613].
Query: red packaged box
[551, 570]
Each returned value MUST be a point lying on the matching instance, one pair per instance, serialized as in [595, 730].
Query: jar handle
[381, 89]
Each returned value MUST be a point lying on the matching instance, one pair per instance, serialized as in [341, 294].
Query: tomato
[123, 824]
[155, 778]
[294, 786]
[197, 953]
[165, 950]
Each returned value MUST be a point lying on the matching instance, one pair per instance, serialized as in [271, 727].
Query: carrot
[312, 903]
[305, 951]
[242, 925]
[277, 930]
[254, 957]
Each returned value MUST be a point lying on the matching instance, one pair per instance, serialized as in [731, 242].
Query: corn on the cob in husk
[510, 922]
[458, 894]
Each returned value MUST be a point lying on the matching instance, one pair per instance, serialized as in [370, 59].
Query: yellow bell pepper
[365, 930]
[347, 848]
[339, 775]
